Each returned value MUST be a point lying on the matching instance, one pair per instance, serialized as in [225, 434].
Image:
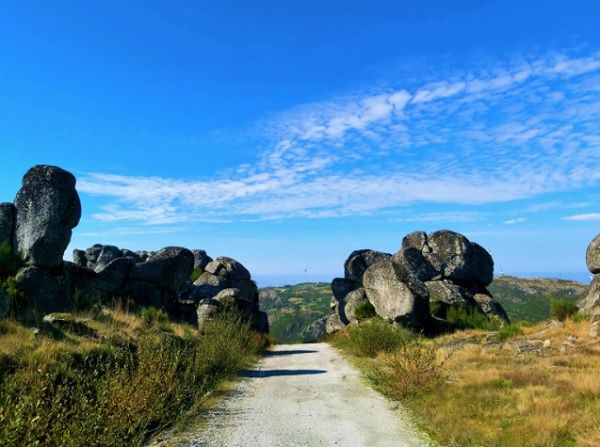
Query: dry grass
[540, 388]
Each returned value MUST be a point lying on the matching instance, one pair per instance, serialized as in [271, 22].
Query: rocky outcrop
[48, 208]
[316, 331]
[590, 300]
[418, 284]
[38, 228]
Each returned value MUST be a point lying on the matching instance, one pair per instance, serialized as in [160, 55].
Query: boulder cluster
[417, 285]
[38, 228]
[590, 300]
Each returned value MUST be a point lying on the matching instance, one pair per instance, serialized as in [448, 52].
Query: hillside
[292, 308]
[528, 299]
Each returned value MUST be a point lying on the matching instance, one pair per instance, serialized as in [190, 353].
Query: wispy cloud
[588, 217]
[524, 128]
[515, 221]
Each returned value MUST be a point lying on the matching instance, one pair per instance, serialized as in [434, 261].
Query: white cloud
[513, 132]
[515, 221]
[588, 217]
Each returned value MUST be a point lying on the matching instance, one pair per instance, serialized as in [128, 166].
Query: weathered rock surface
[334, 324]
[7, 222]
[201, 259]
[359, 261]
[46, 292]
[444, 267]
[592, 255]
[168, 269]
[316, 331]
[48, 208]
[353, 299]
[396, 295]
[590, 300]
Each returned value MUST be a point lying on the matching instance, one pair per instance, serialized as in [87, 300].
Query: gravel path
[306, 395]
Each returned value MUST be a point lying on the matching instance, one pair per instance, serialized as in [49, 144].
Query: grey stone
[69, 323]
[416, 240]
[107, 255]
[227, 268]
[260, 322]
[590, 299]
[397, 295]
[359, 261]
[491, 307]
[334, 324]
[91, 254]
[125, 253]
[7, 222]
[201, 259]
[592, 255]
[116, 272]
[352, 300]
[316, 331]
[170, 268]
[48, 208]
[415, 262]
[45, 291]
[79, 258]
[340, 287]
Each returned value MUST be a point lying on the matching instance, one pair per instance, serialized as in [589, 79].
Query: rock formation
[38, 229]
[417, 285]
[590, 300]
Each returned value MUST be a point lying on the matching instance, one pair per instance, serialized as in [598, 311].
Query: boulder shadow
[262, 373]
[288, 352]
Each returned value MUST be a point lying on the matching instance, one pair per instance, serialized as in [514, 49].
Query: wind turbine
[306, 272]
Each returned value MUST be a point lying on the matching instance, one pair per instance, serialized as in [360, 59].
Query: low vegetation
[128, 377]
[562, 309]
[526, 385]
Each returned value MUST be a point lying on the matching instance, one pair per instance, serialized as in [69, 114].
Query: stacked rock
[38, 226]
[590, 300]
[443, 267]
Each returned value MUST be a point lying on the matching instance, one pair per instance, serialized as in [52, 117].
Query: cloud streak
[519, 130]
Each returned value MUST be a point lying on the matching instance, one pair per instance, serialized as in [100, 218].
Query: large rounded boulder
[359, 261]
[48, 208]
[396, 294]
[170, 268]
[592, 255]
[7, 222]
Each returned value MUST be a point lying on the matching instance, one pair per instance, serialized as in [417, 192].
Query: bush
[84, 301]
[364, 310]
[372, 337]
[462, 316]
[562, 309]
[508, 331]
[120, 392]
[406, 371]
[153, 316]
[18, 302]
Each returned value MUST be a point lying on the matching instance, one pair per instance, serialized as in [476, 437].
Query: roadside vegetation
[110, 377]
[519, 384]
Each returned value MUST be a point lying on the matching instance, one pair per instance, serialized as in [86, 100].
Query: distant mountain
[291, 308]
[528, 299]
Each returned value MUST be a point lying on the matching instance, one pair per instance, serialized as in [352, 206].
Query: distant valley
[291, 308]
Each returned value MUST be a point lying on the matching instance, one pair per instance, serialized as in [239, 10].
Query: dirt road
[306, 395]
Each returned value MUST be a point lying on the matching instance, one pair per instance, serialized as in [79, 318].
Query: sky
[288, 134]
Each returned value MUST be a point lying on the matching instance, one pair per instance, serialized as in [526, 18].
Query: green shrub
[9, 261]
[462, 316]
[84, 301]
[18, 302]
[364, 310]
[562, 309]
[580, 316]
[196, 274]
[153, 316]
[508, 331]
[372, 337]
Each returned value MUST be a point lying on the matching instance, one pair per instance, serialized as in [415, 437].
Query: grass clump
[364, 311]
[508, 331]
[372, 337]
[117, 389]
[562, 309]
[153, 316]
[9, 261]
[196, 274]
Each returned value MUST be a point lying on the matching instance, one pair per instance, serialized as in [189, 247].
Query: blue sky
[287, 134]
